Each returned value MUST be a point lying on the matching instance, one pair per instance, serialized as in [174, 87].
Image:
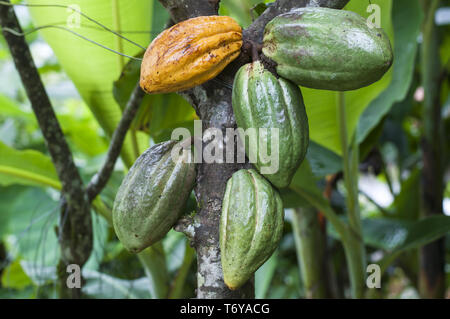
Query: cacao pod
[261, 101]
[152, 196]
[251, 225]
[329, 49]
[190, 53]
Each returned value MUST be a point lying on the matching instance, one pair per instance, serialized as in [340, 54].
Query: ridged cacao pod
[251, 225]
[260, 100]
[152, 196]
[329, 49]
[190, 53]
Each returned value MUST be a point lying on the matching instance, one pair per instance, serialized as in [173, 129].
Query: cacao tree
[343, 93]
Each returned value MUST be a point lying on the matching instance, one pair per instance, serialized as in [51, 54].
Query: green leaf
[101, 230]
[303, 181]
[27, 293]
[395, 235]
[258, 9]
[39, 273]
[159, 114]
[303, 190]
[241, 11]
[100, 285]
[174, 244]
[407, 17]
[179, 286]
[79, 126]
[264, 275]
[407, 203]
[323, 161]
[96, 285]
[31, 215]
[9, 108]
[14, 277]
[82, 130]
[92, 68]
[26, 167]
[124, 85]
[321, 105]
[160, 18]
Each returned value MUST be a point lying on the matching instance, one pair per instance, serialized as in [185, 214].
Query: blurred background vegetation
[89, 87]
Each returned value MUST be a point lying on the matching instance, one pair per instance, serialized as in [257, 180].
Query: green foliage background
[89, 87]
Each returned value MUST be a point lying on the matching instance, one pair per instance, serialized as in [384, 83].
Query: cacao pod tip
[230, 286]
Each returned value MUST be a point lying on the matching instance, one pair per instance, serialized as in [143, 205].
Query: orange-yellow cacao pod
[190, 53]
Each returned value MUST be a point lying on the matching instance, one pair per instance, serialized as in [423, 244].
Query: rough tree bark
[212, 102]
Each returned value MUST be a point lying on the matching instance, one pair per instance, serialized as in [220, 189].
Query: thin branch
[185, 9]
[185, 225]
[100, 179]
[74, 33]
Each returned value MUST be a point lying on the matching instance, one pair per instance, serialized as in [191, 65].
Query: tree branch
[185, 225]
[76, 230]
[100, 179]
[432, 256]
[185, 9]
[60, 153]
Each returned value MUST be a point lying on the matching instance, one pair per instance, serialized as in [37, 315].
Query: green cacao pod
[251, 225]
[260, 100]
[329, 49]
[152, 196]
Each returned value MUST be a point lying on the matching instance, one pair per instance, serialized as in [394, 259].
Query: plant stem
[355, 256]
[176, 291]
[100, 208]
[353, 242]
[98, 182]
[154, 261]
[432, 256]
[321, 205]
[310, 248]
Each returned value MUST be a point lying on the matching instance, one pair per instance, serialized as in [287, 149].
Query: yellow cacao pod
[190, 53]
